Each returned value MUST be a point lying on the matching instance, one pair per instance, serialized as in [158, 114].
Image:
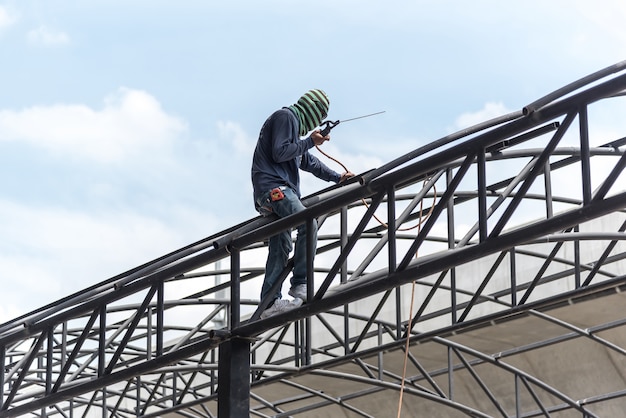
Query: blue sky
[127, 127]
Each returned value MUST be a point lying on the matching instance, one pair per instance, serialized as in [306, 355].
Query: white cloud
[130, 123]
[46, 36]
[50, 229]
[8, 311]
[609, 19]
[237, 137]
[7, 18]
[49, 252]
[489, 111]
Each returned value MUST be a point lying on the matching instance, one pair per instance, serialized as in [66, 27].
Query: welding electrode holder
[329, 125]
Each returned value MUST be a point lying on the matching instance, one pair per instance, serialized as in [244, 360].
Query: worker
[279, 155]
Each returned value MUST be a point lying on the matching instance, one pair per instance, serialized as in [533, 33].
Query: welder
[282, 150]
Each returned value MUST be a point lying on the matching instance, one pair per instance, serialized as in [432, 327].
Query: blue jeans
[280, 245]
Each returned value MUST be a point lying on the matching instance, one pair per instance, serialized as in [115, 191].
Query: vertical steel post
[518, 406]
[450, 374]
[577, 268]
[391, 252]
[102, 340]
[343, 272]
[63, 345]
[149, 333]
[213, 375]
[381, 369]
[233, 393]
[297, 343]
[451, 244]
[311, 243]
[49, 359]
[235, 290]
[138, 403]
[513, 277]
[482, 195]
[304, 345]
[585, 163]
[2, 365]
[159, 317]
[547, 181]
[104, 403]
[391, 228]
[344, 278]
[310, 256]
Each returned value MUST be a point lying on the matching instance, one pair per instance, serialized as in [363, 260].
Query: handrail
[539, 103]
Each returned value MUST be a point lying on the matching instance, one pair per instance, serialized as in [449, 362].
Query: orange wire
[410, 323]
[419, 228]
[382, 223]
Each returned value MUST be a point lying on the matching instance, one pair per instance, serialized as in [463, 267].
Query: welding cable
[409, 325]
[421, 218]
[381, 222]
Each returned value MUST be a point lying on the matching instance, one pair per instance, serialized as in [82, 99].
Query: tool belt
[277, 194]
[263, 204]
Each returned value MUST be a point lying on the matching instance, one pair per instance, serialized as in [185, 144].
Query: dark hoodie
[280, 153]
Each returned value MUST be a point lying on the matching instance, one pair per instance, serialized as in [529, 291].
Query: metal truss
[441, 281]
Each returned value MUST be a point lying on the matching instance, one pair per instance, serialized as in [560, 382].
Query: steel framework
[464, 278]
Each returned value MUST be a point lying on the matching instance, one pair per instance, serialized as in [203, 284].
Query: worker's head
[313, 107]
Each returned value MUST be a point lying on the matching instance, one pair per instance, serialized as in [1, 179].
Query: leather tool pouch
[276, 194]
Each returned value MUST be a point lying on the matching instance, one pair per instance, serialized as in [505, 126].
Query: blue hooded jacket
[280, 153]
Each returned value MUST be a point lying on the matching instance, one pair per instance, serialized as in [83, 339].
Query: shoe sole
[297, 305]
[295, 295]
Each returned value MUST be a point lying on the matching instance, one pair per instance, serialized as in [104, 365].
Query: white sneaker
[281, 306]
[298, 291]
